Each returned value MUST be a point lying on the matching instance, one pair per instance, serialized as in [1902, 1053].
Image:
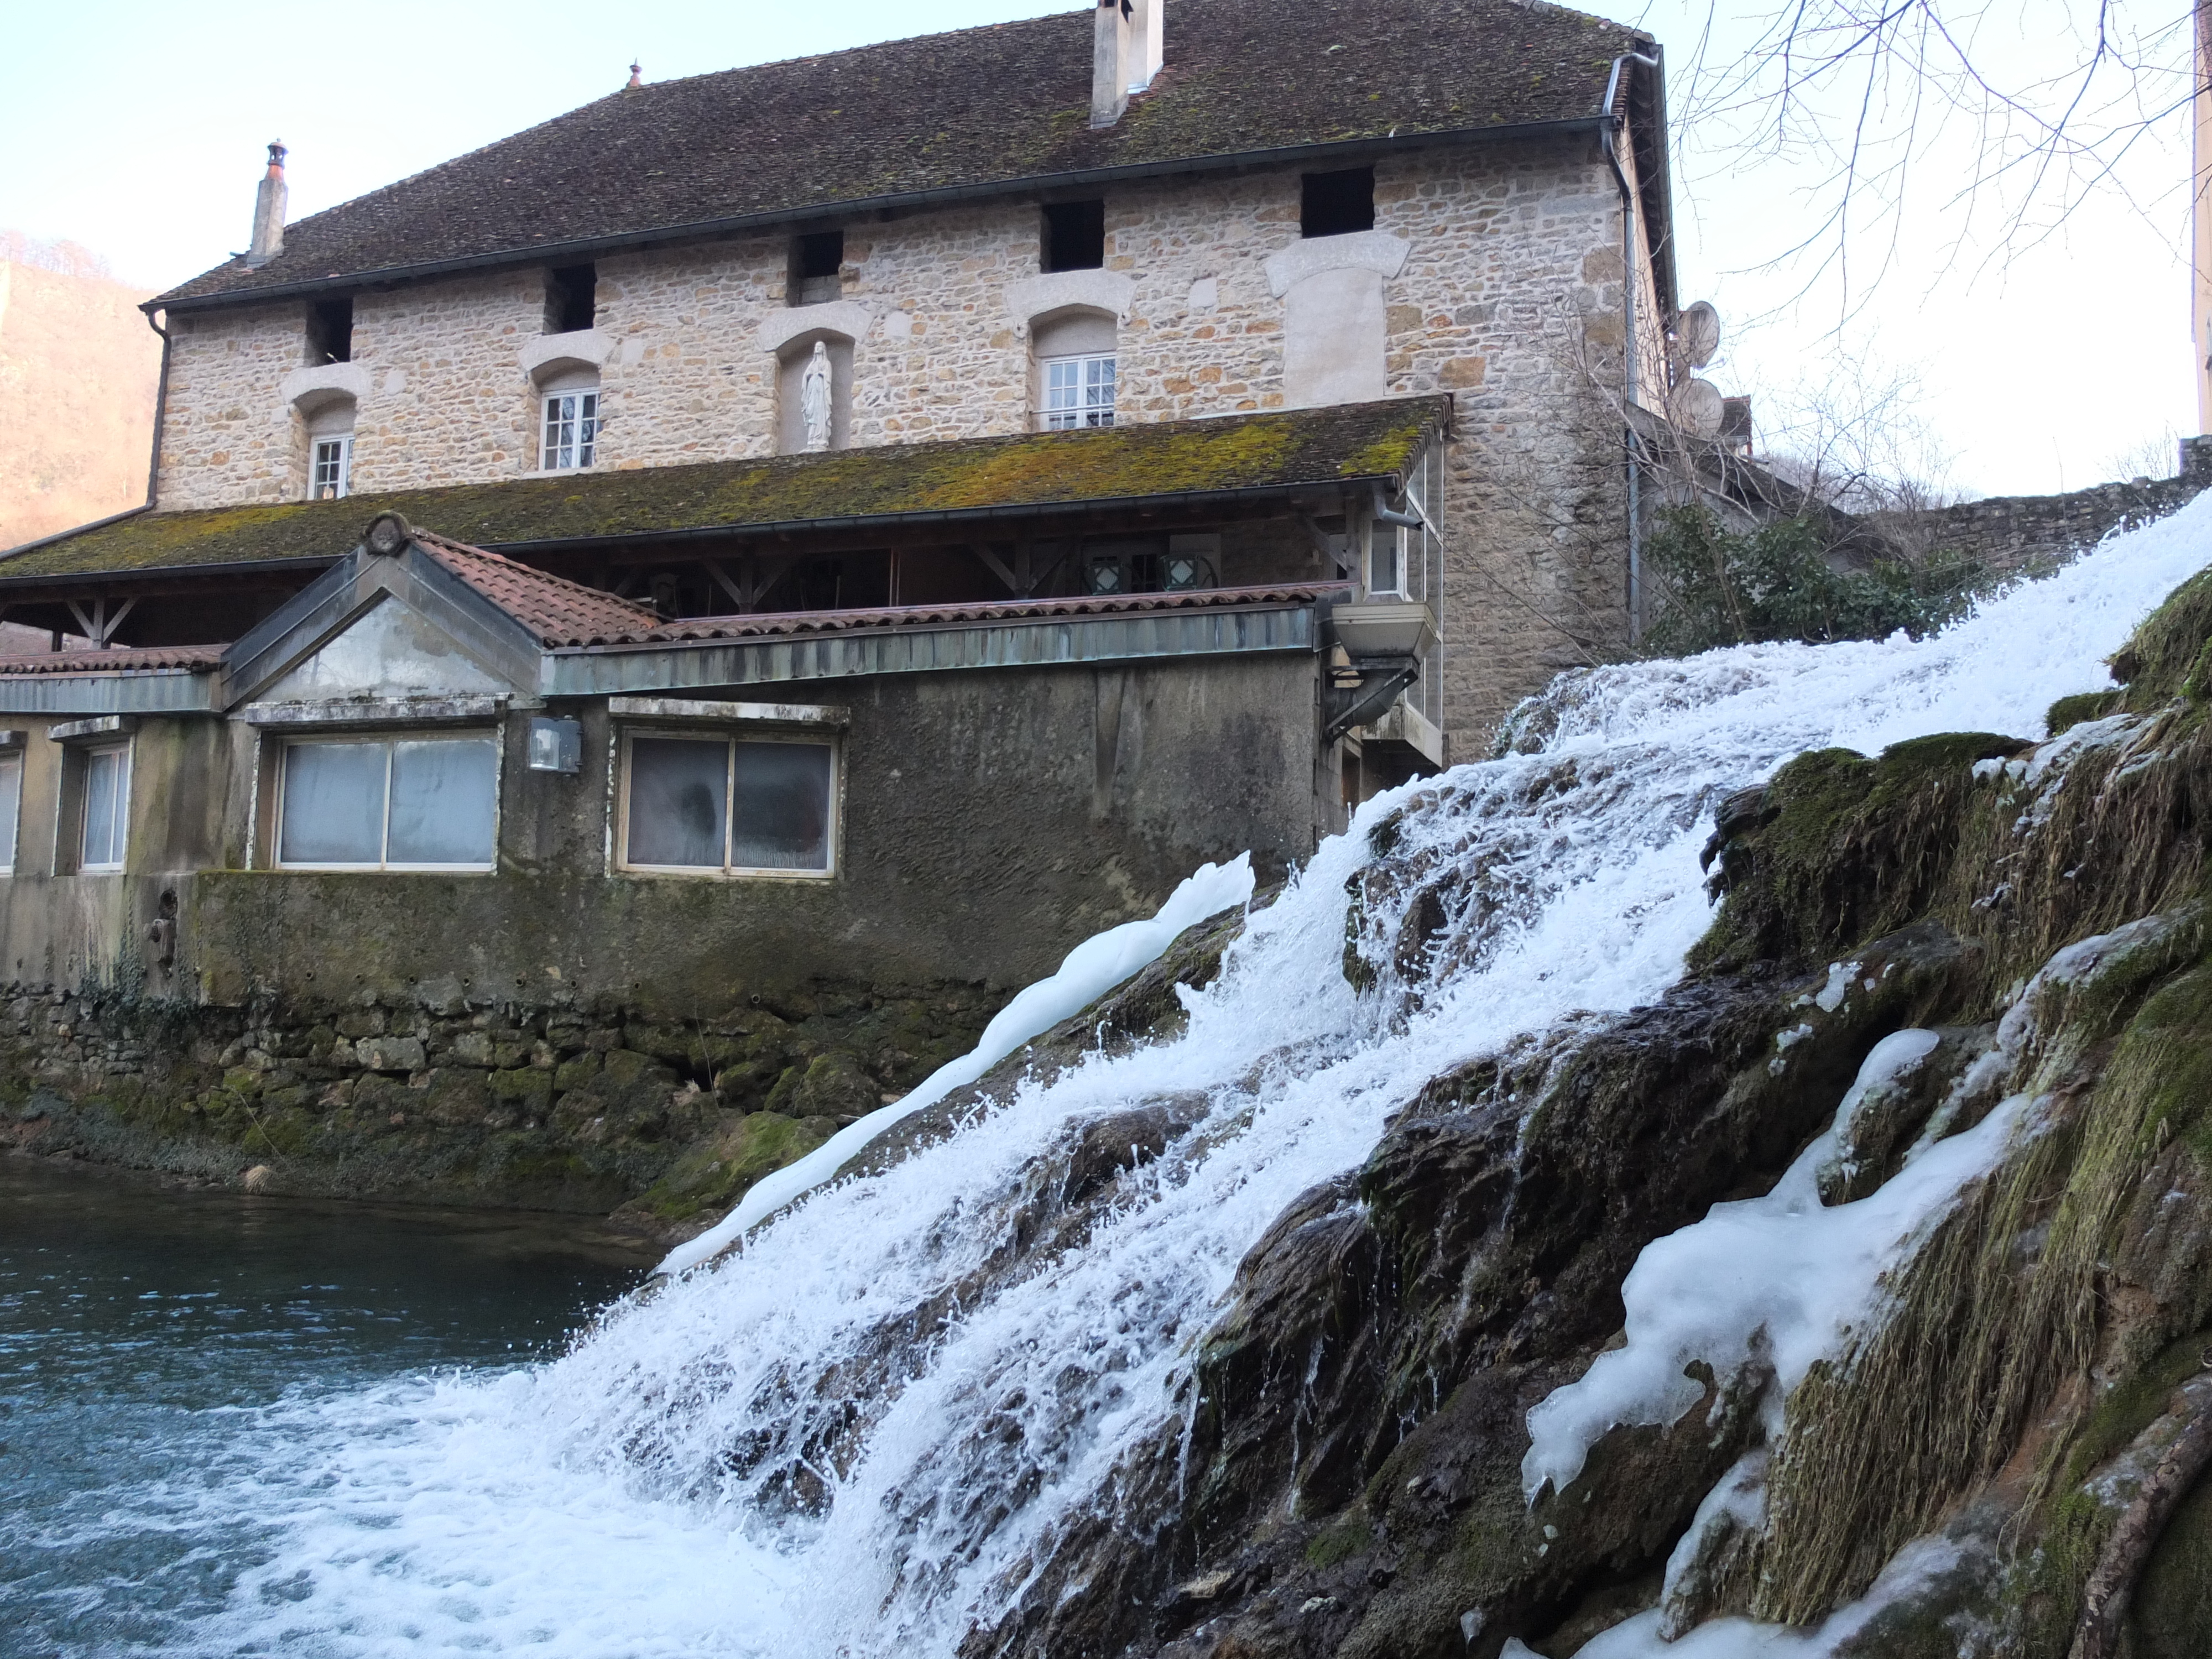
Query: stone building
[862, 522]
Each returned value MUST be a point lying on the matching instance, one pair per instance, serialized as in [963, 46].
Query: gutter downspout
[161, 410]
[1607, 131]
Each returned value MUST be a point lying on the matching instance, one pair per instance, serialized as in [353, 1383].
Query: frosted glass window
[730, 805]
[12, 807]
[1078, 392]
[780, 816]
[107, 809]
[333, 803]
[441, 802]
[395, 804]
[678, 788]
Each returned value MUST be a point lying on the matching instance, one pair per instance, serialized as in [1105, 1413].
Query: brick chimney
[268, 213]
[1110, 62]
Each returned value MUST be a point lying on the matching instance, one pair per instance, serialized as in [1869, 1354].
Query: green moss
[1268, 450]
[1340, 1540]
[2083, 706]
[1852, 849]
[2165, 659]
[2173, 1607]
[716, 1177]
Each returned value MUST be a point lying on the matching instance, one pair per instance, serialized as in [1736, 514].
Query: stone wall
[2014, 533]
[1511, 284]
[568, 1104]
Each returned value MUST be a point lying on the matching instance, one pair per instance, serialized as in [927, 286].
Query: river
[146, 1332]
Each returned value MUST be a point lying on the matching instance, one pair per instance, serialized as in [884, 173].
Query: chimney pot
[1110, 62]
[636, 71]
[269, 212]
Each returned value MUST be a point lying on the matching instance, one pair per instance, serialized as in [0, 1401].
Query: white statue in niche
[814, 399]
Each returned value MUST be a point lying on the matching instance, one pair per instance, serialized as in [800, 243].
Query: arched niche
[790, 359]
[1073, 367]
[327, 417]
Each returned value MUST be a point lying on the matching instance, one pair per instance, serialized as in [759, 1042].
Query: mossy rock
[2172, 1615]
[2083, 706]
[1843, 849]
[715, 1177]
[831, 1085]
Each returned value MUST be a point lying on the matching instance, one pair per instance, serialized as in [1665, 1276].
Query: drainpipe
[161, 410]
[1607, 131]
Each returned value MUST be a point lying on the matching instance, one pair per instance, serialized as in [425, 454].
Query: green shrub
[1721, 586]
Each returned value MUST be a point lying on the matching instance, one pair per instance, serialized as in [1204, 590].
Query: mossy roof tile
[1034, 473]
[959, 112]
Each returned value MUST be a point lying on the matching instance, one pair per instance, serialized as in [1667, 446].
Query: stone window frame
[327, 400]
[561, 365]
[729, 723]
[284, 743]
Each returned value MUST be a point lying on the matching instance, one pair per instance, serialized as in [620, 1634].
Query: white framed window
[106, 825]
[1078, 391]
[1386, 561]
[572, 430]
[330, 467]
[398, 803]
[701, 803]
[11, 808]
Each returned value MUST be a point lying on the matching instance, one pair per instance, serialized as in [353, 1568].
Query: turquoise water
[144, 1332]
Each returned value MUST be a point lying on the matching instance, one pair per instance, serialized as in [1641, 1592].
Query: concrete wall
[1510, 297]
[992, 820]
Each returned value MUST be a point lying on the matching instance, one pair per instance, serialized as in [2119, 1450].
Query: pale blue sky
[2033, 372]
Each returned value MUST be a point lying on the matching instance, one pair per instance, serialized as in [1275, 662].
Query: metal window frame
[384, 865]
[814, 736]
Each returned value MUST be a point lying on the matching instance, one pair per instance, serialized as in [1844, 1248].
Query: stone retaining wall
[2014, 533]
[577, 1106]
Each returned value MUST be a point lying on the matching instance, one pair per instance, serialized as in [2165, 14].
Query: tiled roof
[787, 624]
[197, 658]
[959, 113]
[1031, 472]
[559, 613]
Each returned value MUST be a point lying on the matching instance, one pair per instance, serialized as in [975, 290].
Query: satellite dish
[1698, 334]
[1700, 408]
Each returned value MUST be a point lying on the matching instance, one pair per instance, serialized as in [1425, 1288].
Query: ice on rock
[1784, 1271]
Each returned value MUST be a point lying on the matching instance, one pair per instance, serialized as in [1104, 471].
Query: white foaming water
[853, 1438]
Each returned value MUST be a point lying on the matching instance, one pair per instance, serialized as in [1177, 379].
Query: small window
[571, 299]
[387, 804]
[1335, 204]
[1078, 391]
[330, 470]
[106, 808]
[1385, 560]
[817, 262]
[572, 430]
[1074, 236]
[11, 809]
[329, 331]
[699, 804]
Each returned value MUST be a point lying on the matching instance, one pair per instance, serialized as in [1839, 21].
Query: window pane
[677, 790]
[442, 794]
[587, 428]
[11, 796]
[333, 803]
[782, 817]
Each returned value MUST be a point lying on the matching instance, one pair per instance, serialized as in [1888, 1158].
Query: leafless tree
[2044, 104]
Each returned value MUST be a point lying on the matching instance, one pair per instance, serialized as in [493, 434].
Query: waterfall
[860, 1434]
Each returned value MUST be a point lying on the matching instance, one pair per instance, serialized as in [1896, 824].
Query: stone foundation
[437, 1096]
